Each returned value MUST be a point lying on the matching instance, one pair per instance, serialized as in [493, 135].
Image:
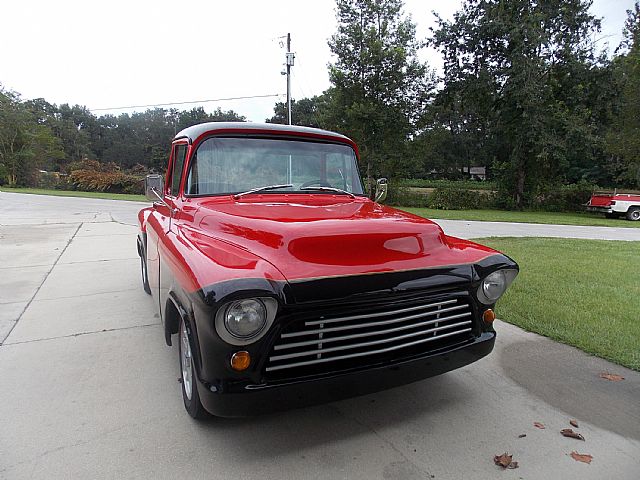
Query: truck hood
[315, 236]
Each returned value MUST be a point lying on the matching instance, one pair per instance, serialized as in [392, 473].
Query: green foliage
[523, 94]
[36, 135]
[402, 196]
[518, 89]
[459, 199]
[26, 141]
[459, 184]
[565, 198]
[623, 138]
[306, 112]
[380, 88]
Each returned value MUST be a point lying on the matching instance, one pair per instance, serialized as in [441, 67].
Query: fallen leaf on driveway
[573, 423]
[538, 425]
[505, 461]
[522, 435]
[581, 457]
[567, 432]
[611, 376]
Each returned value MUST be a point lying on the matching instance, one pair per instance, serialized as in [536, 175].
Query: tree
[623, 139]
[306, 112]
[25, 141]
[517, 77]
[380, 88]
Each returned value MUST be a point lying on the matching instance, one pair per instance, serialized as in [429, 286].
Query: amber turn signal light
[489, 316]
[240, 361]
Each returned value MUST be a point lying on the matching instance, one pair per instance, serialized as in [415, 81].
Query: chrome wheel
[186, 362]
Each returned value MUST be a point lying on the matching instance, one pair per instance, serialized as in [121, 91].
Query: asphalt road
[89, 390]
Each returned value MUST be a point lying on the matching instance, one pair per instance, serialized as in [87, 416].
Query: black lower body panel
[247, 400]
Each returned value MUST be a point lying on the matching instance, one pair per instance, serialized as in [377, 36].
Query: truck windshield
[234, 165]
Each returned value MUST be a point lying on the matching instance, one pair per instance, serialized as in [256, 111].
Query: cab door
[161, 222]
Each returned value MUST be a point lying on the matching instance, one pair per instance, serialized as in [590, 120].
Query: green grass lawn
[556, 218]
[74, 193]
[584, 293]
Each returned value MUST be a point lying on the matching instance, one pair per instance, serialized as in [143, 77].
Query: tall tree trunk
[520, 177]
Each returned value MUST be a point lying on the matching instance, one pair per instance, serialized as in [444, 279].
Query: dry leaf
[522, 435]
[581, 457]
[574, 423]
[567, 432]
[611, 376]
[538, 425]
[505, 461]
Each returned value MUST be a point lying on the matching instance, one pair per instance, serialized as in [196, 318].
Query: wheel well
[171, 320]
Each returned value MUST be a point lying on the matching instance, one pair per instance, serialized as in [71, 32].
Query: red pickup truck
[287, 286]
[615, 205]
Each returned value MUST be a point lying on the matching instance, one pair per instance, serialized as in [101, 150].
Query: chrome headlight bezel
[225, 332]
[504, 277]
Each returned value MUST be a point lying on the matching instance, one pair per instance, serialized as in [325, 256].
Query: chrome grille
[372, 333]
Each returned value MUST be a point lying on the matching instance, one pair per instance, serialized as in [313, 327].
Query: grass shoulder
[75, 193]
[583, 293]
[555, 218]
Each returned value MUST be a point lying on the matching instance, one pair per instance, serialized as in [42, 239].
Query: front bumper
[248, 399]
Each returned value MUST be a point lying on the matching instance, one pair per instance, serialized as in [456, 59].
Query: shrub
[111, 182]
[459, 199]
[564, 198]
[439, 183]
[402, 196]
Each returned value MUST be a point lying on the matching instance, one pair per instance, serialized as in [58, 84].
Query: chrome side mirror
[153, 188]
[381, 190]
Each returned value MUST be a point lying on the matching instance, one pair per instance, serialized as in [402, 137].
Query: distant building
[476, 173]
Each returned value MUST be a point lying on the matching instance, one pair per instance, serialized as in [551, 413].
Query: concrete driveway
[89, 390]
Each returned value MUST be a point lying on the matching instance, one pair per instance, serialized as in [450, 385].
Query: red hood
[310, 236]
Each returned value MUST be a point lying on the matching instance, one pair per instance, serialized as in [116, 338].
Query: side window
[179, 154]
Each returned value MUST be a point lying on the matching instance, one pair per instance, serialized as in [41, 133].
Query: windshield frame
[296, 138]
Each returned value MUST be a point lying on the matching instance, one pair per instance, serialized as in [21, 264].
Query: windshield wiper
[261, 189]
[330, 189]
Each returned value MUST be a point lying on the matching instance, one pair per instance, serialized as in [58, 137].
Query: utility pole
[290, 60]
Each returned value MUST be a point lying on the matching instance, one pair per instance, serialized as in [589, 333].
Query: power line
[184, 103]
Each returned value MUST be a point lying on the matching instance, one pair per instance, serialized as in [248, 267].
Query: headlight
[495, 284]
[245, 318]
[245, 321]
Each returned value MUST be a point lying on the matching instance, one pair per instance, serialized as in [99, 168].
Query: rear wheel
[190, 395]
[633, 214]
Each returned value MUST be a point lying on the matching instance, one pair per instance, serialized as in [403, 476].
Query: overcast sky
[120, 53]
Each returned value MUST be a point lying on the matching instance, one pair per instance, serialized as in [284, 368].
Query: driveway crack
[80, 334]
[41, 283]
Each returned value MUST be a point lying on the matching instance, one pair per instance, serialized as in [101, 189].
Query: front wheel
[633, 214]
[190, 395]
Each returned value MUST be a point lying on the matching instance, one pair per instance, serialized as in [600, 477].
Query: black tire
[188, 381]
[611, 215]
[633, 214]
[143, 269]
